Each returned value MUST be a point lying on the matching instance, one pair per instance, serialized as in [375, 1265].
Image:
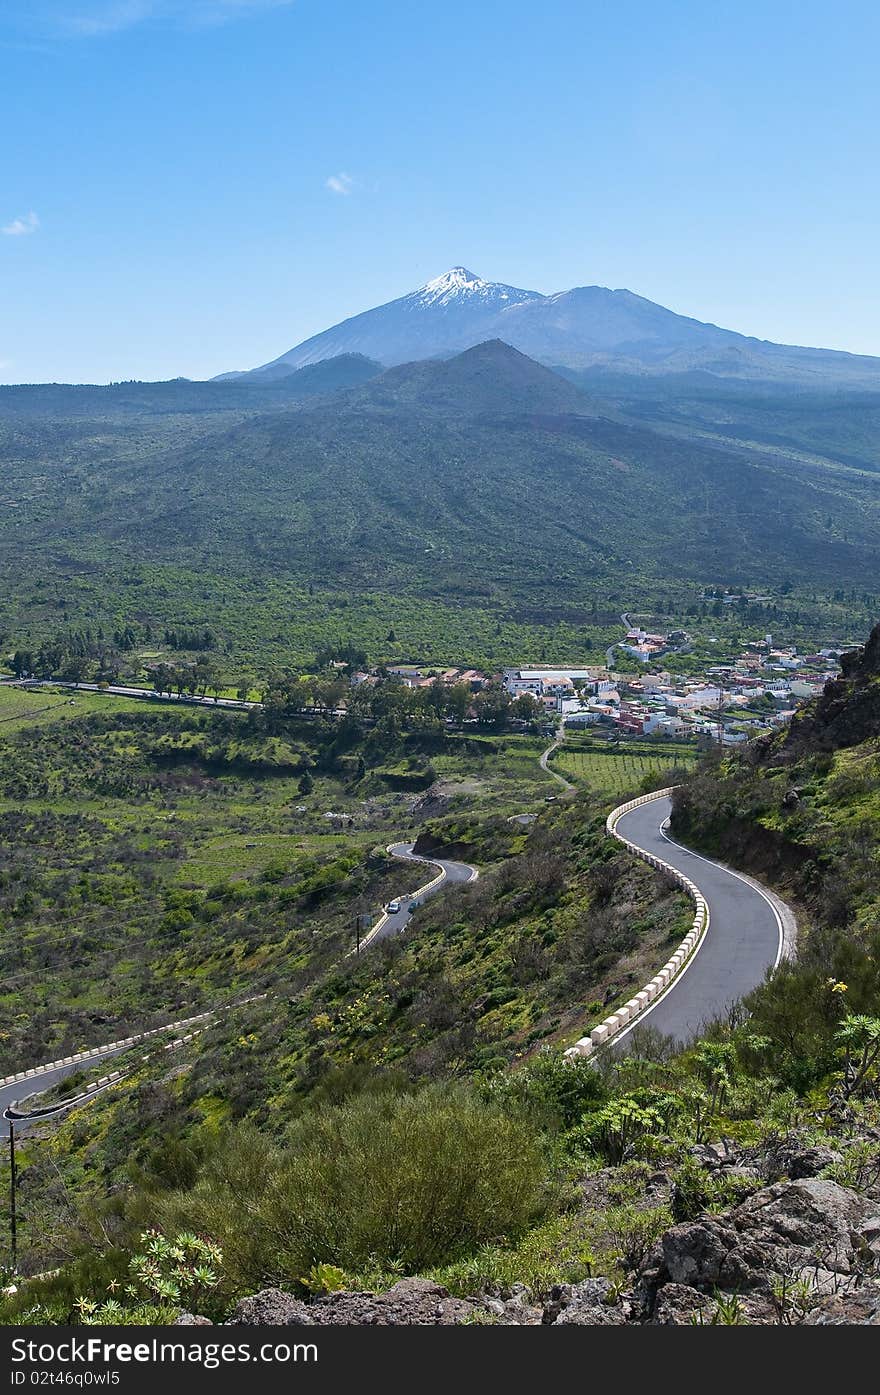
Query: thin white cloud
[96, 19]
[109, 19]
[223, 8]
[340, 183]
[21, 227]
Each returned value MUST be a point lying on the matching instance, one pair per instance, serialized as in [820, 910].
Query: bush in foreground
[406, 1181]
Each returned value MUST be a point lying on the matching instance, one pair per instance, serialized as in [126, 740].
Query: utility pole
[362, 921]
[12, 1215]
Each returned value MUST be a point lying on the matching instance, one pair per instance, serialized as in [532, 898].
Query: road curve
[452, 872]
[44, 1080]
[745, 936]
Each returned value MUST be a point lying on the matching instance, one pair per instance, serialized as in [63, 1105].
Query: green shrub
[558, 1091]
[693, 1191]
[560, 1250]
[623, 1128]
[633, 1232]
[380, 1180]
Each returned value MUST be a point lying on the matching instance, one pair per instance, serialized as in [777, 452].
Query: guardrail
[23, 1116]
[631, 1011]
[90, 1053]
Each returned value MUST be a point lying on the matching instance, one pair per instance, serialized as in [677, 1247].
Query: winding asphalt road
[453, 872]
[744, 939]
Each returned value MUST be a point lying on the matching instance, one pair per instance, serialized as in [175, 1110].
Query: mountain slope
[591, 326]
[450, 312]
[240, 393]
[484, 480]
[486, 474]
[491, 377]
[803, 809]
[587, 327]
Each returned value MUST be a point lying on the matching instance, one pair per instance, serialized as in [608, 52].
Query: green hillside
[485, 483]
[301, 1135]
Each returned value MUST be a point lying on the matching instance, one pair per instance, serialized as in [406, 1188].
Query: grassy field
[498, 774]
[619, 769]
[34, 707]
[153, 857]
[21, 707]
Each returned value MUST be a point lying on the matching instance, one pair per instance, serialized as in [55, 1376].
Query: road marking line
[740, 878]
[692, 957]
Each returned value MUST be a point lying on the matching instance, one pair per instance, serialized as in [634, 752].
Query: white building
[588, 716]
[697, 699]
[804, 688]
[553, 681]
[665, 725]
[656, 682]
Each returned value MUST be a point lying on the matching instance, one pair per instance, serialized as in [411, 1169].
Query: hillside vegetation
[156, 860]
[290, 1112]
[475, 508]
[804, 809]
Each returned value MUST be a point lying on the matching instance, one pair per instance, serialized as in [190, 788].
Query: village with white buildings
[728, 702]
[720, 706]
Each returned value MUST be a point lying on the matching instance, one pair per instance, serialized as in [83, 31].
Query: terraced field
[619, 769]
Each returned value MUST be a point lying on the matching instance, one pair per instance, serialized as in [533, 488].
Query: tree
[22, 663]
[492, 706]
[306, 783]
[204, 672]
[859, 1038]
[75, 669]
[458, 700]
[525, 708]
[435, 697]
[163, 679]
[618, 1128]
[716, 1063]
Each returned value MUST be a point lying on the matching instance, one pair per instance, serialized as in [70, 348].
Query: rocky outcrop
[793, 1158]
[857, 1308]
[796, 1248]
[411, 1302]
[803, 1249]
[803, 1229]
[591, 1303]
[848, 710]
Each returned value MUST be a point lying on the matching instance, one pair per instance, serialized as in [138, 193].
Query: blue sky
[188, 186]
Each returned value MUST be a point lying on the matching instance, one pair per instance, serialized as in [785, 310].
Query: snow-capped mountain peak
[586, 327]
[458, 284]
[455, 281]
